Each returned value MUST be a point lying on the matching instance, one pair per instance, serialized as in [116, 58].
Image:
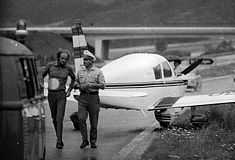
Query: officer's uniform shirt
[94, 75]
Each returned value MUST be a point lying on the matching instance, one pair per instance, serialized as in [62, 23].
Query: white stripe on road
[217, 78]
[124, 152]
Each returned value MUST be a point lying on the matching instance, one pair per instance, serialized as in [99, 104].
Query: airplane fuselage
[139, 81]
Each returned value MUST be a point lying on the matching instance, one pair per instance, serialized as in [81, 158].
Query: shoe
[59, 145]
[93, 145]
[84, 144]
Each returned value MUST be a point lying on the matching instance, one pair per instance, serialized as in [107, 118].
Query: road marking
[125, 151]
[217, 78]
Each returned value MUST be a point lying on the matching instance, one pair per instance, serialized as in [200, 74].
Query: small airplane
[144, 81]
[147, 82]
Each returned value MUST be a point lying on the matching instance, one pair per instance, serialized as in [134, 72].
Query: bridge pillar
[102, 49]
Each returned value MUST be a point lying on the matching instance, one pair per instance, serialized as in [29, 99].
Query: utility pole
[79, 44]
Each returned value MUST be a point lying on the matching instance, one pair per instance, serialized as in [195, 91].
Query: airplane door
[173, 86]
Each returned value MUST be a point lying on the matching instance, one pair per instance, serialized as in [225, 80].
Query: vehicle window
[33, 70]
[29, 82]
[39, 75]
[22, 84]
[166, 70]
[157, 72]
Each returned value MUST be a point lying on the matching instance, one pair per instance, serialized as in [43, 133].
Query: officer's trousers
[88, 105]
[57, 103]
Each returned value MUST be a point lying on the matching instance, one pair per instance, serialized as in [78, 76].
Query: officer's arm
[72, 76]
[101, 82]
[77, 84]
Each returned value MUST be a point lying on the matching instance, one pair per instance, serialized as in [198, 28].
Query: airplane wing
[194, 101]
[115, 94]
[109, 98]
[121, 99]
[114, 99]
[125, 94]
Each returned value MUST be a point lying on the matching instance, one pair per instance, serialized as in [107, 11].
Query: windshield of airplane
[166, 70]
[157, 72]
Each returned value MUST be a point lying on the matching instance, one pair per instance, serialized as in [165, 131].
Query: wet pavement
[116, 129]
[119, 131]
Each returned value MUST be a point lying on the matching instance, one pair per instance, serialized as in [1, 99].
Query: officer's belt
[90, 93]
[56, 90]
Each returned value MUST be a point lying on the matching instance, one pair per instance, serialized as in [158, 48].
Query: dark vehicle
[22, 118]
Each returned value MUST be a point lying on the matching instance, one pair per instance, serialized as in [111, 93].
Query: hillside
[119, 12]
[110, 13]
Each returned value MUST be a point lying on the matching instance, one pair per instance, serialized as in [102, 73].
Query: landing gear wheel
[198, 120]
[164, 124]
[158, 116]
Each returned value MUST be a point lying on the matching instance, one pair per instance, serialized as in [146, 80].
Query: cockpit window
[166, 70]
[157, 72]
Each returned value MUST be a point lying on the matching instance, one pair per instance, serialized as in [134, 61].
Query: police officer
[58, 73]
[89, 80]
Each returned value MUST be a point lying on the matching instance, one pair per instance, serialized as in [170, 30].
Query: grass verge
[215, 140]
[215, 71]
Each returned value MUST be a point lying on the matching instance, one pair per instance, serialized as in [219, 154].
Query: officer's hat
[87, 53]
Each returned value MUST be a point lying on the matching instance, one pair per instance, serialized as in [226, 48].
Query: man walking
[89, 80]
[58, 73]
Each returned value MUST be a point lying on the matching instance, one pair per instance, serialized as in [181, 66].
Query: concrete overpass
[100, 37]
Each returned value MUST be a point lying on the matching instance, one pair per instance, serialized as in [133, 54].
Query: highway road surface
[119, 131]
[116, 129]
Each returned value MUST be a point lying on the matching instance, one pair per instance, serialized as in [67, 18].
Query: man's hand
[91, 85]
[41, 85]
[81, 86]
[84, 86]
[68, 93]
